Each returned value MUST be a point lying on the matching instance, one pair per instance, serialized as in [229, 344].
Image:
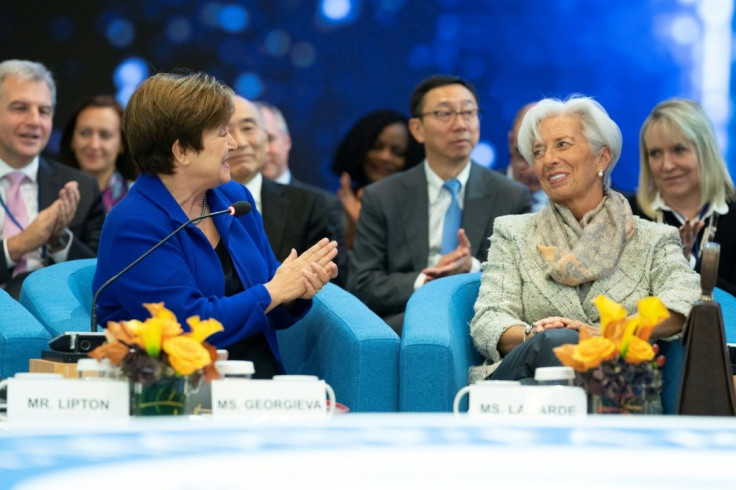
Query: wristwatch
[60, 242]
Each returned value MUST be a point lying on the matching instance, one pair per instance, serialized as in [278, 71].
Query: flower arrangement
[156, 353]
[618, 369]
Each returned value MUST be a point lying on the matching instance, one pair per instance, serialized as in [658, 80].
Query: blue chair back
[60, 295]
[22, 337]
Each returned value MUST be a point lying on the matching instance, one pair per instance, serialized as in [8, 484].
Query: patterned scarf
[581, 252]
[116, 190]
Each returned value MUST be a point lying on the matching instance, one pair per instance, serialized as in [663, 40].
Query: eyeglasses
[446, 115]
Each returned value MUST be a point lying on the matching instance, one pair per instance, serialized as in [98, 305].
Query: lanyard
[9, 214]
[14, 220]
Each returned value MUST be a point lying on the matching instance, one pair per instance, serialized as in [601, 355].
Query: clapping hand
[688, 234]
[349, 199]
[48, 225]
[456, 262]
[302, 276]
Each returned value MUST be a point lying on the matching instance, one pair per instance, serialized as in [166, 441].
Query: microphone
[238, 208]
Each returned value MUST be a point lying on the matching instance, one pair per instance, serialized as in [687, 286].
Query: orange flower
[201, 329]
[565, 354]
[186, 352]
[186, 355]
[591, 352]
[210, 371]
[170, 327]
[620, 335]
[638, 351]
[115, 351]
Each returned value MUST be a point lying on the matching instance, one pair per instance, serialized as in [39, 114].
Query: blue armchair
[436, 348]
[340, 340]
[22, 337]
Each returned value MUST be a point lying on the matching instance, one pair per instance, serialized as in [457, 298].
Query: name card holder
[282, 397]
[559, 401]
[52, 399]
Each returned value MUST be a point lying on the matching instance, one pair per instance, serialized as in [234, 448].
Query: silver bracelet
[527, 331]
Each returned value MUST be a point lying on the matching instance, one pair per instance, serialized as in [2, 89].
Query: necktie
[17, 208]
[453, 217]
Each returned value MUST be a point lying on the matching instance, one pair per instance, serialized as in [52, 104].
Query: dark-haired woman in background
[93, 142]
[377, 146]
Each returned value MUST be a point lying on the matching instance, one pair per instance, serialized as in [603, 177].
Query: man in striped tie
[48, 212]
[433, 220]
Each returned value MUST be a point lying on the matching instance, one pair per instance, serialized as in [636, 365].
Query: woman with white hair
[684, 182]
[544, 269]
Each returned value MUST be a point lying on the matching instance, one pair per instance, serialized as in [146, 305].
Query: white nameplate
[558, 401]
[36, 399]
[246, 397]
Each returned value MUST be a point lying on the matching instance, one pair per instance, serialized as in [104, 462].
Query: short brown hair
[168, 107]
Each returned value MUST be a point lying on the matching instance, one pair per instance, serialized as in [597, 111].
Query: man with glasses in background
[433, 220]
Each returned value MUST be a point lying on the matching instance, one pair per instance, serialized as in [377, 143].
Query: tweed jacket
[515, 291]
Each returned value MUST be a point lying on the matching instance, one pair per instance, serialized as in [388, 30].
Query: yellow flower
[591, 352]
[620, 335]
[651, 313]
[170, 327]
[613, 318]
[151, 336]
[186, 355]
[638, 351]
[201, 329]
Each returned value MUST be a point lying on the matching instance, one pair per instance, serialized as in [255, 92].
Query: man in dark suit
[277, 169]
[50, 213]
[293, 217]
[433, 220]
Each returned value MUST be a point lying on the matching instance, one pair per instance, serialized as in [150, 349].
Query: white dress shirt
[439, 200]
[284, 178]
[254, 185]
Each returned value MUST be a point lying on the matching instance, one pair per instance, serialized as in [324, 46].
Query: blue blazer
[185, 273]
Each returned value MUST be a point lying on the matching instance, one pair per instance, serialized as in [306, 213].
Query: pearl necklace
[204, 211]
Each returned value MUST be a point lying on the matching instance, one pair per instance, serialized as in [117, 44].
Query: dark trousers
[525, 358]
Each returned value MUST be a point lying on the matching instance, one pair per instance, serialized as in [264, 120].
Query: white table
[382, 451]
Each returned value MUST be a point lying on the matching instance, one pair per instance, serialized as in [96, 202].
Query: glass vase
[166, 396]
[636, 399]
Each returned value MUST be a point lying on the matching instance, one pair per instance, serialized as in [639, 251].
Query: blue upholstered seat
[22, 337]
[60, 296]
[436, 348]
[340, 340]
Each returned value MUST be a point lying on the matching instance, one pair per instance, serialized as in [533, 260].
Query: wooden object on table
[707, 386]
[66, 369]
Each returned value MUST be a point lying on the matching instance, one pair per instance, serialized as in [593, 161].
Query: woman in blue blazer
[221, 267]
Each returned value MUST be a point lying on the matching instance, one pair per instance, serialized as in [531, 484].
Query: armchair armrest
[436, 348]
[341, 341]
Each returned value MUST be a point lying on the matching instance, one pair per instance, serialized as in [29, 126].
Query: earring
[600, 173]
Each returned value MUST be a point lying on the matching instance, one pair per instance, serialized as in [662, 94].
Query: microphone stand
[237, 209]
